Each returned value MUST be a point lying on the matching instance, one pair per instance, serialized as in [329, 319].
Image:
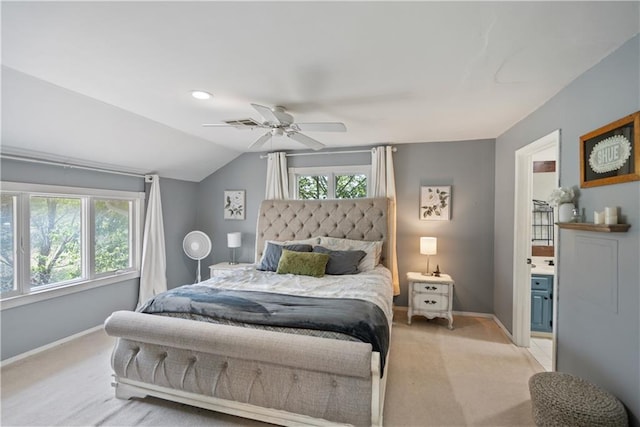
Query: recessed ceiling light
[200, 94]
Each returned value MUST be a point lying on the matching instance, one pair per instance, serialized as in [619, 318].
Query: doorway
[523, 264]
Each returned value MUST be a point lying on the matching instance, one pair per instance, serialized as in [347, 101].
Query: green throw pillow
[303, 263]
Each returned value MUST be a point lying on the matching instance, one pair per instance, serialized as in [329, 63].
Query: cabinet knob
[430, 288]
[428, 301]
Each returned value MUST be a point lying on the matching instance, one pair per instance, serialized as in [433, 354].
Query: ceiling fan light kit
[278, 122]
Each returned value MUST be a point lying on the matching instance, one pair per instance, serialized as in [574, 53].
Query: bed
[277, 374]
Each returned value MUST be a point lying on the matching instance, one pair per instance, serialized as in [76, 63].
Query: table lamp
[428, 246]
[234, 241]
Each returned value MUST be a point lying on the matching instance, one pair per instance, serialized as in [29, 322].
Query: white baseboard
[472, 314]
[24, 355]
[504, 329]
[487, 316]
[547, 335]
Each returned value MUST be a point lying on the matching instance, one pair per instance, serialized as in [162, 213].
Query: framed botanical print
[435, 203]
[234, 204]
[611, 154]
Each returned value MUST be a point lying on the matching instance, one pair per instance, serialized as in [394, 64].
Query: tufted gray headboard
[357, 219]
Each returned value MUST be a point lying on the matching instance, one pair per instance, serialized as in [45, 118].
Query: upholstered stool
[561, 399]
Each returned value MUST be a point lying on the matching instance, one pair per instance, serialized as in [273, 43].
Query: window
[63, 238]
[112, 235]
[7, 243]
[55, 232]
[344, 182]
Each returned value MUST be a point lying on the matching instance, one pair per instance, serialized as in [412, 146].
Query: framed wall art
[611, 154]
[234, 204]
[435, 203]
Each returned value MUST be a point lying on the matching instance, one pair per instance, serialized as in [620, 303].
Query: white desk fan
[197, 245]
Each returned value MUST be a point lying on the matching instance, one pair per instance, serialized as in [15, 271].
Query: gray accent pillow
[341, 262]
[273, 252]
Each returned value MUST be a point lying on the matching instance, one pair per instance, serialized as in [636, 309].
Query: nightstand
[430, 296]
[224, 268]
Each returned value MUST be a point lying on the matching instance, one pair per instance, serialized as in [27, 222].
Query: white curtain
[383, 183]
[277, 176]
[153, 274]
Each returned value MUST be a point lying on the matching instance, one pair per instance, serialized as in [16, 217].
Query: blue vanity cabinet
[541, 303]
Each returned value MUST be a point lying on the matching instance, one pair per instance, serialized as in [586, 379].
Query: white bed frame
[169, 358]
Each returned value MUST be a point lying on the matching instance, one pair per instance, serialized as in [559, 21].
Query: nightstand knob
[428, 301]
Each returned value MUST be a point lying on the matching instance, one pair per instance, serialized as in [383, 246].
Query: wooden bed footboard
[269, 376]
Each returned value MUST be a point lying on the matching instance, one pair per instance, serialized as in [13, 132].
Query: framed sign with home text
[611, 154]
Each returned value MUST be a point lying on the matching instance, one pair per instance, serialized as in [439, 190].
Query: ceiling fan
[278, 122]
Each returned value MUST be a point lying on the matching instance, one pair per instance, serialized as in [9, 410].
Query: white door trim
[522, 236]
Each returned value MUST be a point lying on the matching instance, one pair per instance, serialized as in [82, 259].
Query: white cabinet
[430, 296]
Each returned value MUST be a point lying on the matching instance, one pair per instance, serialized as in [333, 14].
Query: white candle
[598, 217]
[610, 219]
[611, 211]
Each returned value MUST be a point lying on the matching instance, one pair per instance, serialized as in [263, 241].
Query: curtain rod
[315, 153]
[68, 165]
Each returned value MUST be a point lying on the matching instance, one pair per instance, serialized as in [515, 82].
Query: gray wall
[598, 324]
[465, 243]
[179, 203]
[31, 326]
[247, 172]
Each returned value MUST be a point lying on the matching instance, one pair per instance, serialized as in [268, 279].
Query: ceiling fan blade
[267, 113]
[260, 141]
[304, 139]
[274, 116]
[321, 127]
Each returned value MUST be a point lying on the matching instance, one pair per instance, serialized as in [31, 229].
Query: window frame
[24, 293]
[330, 172]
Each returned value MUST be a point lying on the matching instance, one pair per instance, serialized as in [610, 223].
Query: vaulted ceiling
[110, 82]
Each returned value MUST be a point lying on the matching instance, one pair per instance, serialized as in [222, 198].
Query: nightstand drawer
[431, 288]
[430, 302]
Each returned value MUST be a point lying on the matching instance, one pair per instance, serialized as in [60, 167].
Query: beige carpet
[437, 377]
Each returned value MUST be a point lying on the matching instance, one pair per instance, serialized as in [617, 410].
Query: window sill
[46, 294]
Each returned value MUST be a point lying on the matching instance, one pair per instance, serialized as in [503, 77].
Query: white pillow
[313, 241]
[373, 250]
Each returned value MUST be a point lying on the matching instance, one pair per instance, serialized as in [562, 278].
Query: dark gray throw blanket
[357, 318]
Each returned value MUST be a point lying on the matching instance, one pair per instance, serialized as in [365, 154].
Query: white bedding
[373, 286]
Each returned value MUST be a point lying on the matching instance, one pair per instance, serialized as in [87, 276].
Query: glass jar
[575, 215]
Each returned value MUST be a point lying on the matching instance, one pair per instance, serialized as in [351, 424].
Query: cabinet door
[540, 311]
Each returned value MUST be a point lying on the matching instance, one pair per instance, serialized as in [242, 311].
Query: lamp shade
[234, 240]
[428, 245]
